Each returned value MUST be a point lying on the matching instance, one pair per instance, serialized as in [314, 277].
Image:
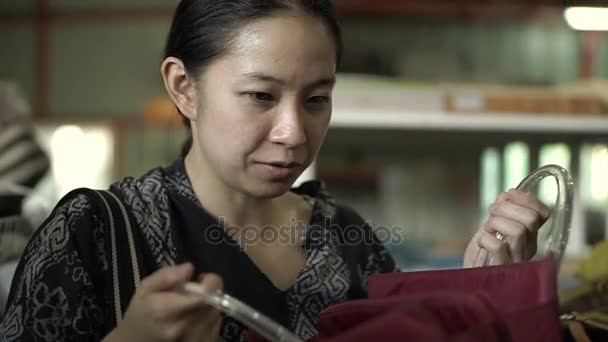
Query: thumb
[167, 278]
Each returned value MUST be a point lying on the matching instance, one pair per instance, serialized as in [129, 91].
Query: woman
[253, 79]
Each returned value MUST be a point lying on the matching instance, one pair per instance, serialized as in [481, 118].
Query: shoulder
[68, 236]
[58, 276]
[147, 201]
[147, 188]
[73, 207]
[75, 215]
[76, 224]
[145, 197]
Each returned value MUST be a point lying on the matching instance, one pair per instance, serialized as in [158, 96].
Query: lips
[279, 170]
[287, 165]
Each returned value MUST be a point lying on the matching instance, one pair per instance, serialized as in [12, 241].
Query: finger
[211, 281]
[183, 302]
[203, 326]
[166, 278]
[188, 302]
[196, 325]
[174, 305]
[526, 216]
[529, 200]
[217, 326]
[498, 250]
[503, 197]
[515, 233]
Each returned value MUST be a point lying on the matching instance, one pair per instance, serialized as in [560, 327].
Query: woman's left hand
[517, 215]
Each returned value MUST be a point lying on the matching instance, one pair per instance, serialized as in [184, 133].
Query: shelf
[453, 122]
[450, 9]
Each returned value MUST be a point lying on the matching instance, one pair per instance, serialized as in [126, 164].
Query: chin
[270, 189]
[265, 188]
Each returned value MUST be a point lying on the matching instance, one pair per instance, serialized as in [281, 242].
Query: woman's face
[264, 108]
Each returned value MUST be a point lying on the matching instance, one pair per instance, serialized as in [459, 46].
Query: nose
[288, 128]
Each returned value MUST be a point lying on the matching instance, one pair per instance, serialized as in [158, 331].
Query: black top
[206, 244]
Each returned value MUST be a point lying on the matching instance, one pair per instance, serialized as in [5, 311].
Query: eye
[260, 96]
[317, 100]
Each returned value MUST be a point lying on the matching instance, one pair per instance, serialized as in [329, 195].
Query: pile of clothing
[22, 164]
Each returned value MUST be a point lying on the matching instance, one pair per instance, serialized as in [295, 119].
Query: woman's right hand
[158, 312]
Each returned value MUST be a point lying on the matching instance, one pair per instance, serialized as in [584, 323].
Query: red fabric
[502, 303]
[432, 317]
[512, 287]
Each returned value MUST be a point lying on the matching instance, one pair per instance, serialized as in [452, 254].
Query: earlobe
[179, 86]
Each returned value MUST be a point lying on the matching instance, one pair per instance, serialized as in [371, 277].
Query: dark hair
[202, 30]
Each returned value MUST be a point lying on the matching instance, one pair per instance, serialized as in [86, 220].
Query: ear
[180, 87]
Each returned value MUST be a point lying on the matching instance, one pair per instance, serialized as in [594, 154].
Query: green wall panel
[106, 69]
[17, 57]
[601, 64]
[16, 5]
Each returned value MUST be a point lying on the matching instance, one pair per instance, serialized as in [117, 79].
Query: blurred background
[440, 106]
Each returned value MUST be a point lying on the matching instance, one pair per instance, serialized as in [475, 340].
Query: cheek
[233, 133]
[248, 132]
[317, 130]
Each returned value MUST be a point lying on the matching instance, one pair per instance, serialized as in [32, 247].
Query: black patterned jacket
[60, 291]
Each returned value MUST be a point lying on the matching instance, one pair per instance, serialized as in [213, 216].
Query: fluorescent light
[587, 18]
[599, 170]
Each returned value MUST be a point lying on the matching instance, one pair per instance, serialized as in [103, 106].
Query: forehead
[286, 45]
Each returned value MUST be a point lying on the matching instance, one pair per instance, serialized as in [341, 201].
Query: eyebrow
[330, 81]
